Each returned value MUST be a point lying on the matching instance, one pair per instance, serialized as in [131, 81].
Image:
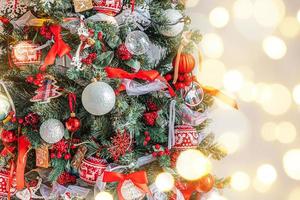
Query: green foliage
[211, 149]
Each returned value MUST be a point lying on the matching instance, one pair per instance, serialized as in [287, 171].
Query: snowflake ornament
[13, 9]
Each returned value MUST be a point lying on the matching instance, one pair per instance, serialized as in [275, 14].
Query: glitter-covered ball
[52, 131]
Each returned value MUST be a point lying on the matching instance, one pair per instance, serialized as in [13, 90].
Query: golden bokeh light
[294, 194]
[298, 16]
[240, 181]
[274, 47]
[214, 196]
[212, 73]
[230, 141]
[165, 182]
[212, 45]
[219, 17]
[296, 94]
[191, 3]
[248, 92]
[268, 131]
[242, 9]
[266, 174]
[192, 164]
[269, 13]
[291, 164]
[263, 93]
[279, 102]
[104, 196]
[260, 186]
[233, 80]
[290, 27]
[286, 132]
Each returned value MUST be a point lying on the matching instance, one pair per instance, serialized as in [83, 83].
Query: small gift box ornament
[91, 168]
[109, 7]
[4, 183]
[26, 53]
[186, 137]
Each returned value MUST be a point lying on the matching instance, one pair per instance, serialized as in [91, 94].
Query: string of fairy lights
[270, 27]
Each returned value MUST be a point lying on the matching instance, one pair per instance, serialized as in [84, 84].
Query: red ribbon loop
[72, 102]
[23, 147]
[146, 75]
[139, 179]
[60, 48]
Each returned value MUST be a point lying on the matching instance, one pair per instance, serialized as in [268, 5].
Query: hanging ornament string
[172, 117]
[8, 97]
[72, 103]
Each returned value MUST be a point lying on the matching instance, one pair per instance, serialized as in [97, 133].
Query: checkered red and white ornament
[186, 137]
[91, 168]
[109, 7]
[4, 180]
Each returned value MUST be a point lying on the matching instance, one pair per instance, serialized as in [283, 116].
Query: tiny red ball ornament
[73, 124]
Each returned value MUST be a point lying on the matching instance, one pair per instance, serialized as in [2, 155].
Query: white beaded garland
[52, 131]
[98, 98]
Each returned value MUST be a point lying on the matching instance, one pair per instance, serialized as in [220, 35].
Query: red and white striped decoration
[186, 137]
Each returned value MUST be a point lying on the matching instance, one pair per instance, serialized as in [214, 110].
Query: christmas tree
[127, 113]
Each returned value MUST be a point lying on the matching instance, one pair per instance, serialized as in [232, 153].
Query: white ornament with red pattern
[109, 7]
[26, 53]
[4, 181]
[186, 137]
[91, 168]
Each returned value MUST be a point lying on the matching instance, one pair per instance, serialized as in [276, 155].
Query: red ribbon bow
[60, 48]
[139, 179]
[146, 75]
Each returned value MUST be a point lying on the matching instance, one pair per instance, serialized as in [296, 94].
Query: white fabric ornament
[156, 194]
[134, 88]
[137, 42]
[175, 23]
[131, 192]
[98, 98]
[52, 131]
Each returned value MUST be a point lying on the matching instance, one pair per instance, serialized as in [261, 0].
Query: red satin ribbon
[60, 48]
[4, 20]
[139, 179]
[72, 102]
[23, 148]
[146, 75]
[10, 180]
[132, 5]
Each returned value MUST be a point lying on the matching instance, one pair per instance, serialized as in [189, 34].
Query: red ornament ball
[73, 124]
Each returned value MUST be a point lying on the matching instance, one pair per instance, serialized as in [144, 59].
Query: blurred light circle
[233, 80]
[192, 165]
[263, 93]
[212, 195]
[191, 3]
[290, 27]
[279, 101]
[291, 164]
[260, 186]
[164, 182]
[286, 132]
[104, 196]
[274, 47]
[268, 131]
[266, 174]
[296, 94]
[212, 45]
[248, 92]
[212, 73]
[230, 141]
[243, 9]
[298, 16]
[269, 13]
[294, 194]
[240, 181]
[219, 17]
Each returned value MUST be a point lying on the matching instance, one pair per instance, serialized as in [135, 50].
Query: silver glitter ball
[52, 131]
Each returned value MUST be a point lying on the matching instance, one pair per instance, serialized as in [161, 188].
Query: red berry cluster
[66, 178]
[37, 80]
[8, 136]
[32, 119]
[151, 115]
[184, 80]
[123, 53]
[45, 32]
[89, 59]
[147, 138]
[159, 151]
[61, 150]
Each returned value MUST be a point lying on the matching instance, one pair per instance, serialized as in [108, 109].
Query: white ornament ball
[98, 98]
[52, 131]
[4, 107]
[137, 42]
[175, 26]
